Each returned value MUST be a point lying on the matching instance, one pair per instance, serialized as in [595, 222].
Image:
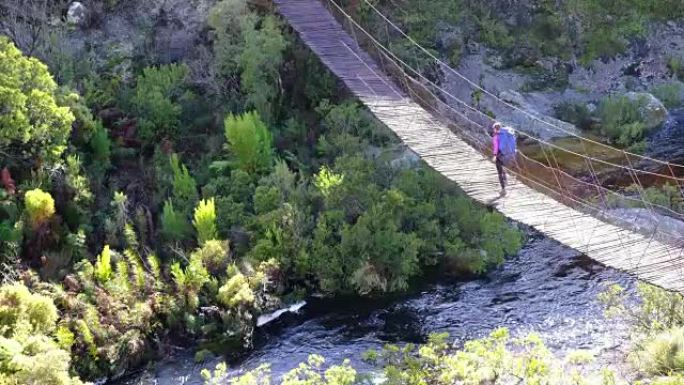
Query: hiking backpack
[507, 141]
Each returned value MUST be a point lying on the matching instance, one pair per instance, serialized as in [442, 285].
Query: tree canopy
[33, 126]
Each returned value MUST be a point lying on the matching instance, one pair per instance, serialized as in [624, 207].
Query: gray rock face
[533, 121]
[643, 65]
[160, 31]
[527, 113]
[653, 112]
[406, 159]
[77, 14]
[645, 221]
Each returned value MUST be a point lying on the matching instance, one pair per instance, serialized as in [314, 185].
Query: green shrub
[260, 62]
[103, 266]
[33, 127]
[115, 222]
[325, 180]
[84, 122]
[205, 221]
[157, 101]
[214, 255]
[120, 283]
[249, 141]
[667, 195]
[174, 225]
[154, 266]
[266, 199]
[189, 281]
[663, 353]
[138, 269]
[575, 113]
[658, 311]
[29, 353]
[674, 379]
[621, 119]
[491, 31]
[676, 67]
[494, 360]
[225, 19]
[184, 188]
[218, 375]
[229, 214]
[101, 149]
[77, 211]
[670, 94]
[351, 118]
[390, 256]
[236, 292]
[39, 207]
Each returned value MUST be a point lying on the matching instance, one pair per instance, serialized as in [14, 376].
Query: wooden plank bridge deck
[647, 258]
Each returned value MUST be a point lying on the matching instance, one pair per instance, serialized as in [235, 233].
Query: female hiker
[503, 149]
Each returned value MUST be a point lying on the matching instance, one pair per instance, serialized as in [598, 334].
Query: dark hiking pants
[500, 163]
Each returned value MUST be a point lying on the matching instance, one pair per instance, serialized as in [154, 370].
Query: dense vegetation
[153, 207]
[623, 120]
[496, 359]
[523, 34]
[145, 202]
[658, 319]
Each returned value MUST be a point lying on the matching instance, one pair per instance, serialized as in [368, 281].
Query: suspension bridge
[449, 135]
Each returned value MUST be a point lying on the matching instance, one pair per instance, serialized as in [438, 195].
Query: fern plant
[189, 281]
[137, 268]
[120, 282]
[103, 266]
[101, 146]
[174, 224]
[326, 180]
[184, 187]
[205, 221]
[249, 141]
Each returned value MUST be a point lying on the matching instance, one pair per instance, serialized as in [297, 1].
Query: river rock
[528, 119]
[72, 283]
[653, 112]
[406, 159]
[77, 14]
[647, 221]
[511, 96]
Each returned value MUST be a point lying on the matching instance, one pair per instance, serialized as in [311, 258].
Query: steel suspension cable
[397, 59]
[477, 139]
[487, 92]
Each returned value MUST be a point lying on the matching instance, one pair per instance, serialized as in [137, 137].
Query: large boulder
[77, 14]
[653, 112]
[648, 222]
[529, 119]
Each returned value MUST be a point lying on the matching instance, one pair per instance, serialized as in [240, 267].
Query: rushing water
[667, 143]
[546, 288]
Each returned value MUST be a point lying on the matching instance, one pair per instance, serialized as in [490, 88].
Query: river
[667, 143]
[545, 288]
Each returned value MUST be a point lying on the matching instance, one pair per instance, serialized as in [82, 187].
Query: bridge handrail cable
[575, 199]
[497, 98]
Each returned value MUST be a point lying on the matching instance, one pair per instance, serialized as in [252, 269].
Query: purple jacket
[495, 144]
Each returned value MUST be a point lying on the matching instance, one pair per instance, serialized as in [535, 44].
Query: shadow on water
[546, 288]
